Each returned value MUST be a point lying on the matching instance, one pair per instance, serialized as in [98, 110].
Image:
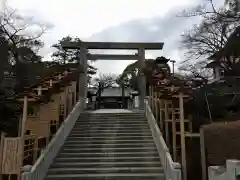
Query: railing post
[212, 172]
[177, 174]
[26, 173]
[231, 168]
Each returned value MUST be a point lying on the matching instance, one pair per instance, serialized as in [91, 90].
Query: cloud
[167, 29]
[147, 21]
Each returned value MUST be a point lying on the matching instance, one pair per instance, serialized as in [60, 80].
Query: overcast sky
[112, 20]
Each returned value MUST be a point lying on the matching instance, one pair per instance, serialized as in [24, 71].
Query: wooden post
[65, 102]
[39, 91]
[182, 133]
[35, 149]
[166, 122]
[75, 93]
[25, 115]
[150, 94]
[20, 121]
[152, 105]
[1, 153]
[51, 83]
[190, 123]
[174, 141]
[22, 129]
[142, 79]
[161, 114]
[156, 106]
[203, 155]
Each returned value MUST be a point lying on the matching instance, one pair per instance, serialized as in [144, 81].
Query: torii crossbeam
[140, 56]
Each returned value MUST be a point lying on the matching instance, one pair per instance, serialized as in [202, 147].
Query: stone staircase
[108, 146]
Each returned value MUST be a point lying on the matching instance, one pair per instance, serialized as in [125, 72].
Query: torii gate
[140, 56]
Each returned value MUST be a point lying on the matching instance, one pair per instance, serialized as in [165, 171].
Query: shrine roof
[212, 64]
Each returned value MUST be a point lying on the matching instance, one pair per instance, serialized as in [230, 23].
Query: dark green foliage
[19, 65]
[65, 56]
[130, 74]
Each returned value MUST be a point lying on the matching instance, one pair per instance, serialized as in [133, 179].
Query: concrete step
[108, 146]
[112, 125]
[88, 128]
[74, 145]
[143, 137]
[112, 122]
[113, 117]
[111, 131]
[122, 120]
[107, 154]
[108, 176]
[66, 170]
[107, 149]
[129, 115]
[105, 164]
[108, 159]
[135, 118]
[101, 141]
[113, 114]
[78, 134]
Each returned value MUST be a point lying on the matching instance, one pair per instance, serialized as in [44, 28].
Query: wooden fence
[13, 154]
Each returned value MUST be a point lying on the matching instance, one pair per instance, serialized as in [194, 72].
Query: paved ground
[112, 111]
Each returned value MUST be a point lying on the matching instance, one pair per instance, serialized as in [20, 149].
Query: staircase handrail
[172, 169]
[230, 172]
[39, 170]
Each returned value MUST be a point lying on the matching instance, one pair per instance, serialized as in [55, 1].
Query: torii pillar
[83, 78]
[142, 78]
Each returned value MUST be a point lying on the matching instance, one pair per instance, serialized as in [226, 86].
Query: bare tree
[228, 11]
[196, 71]
[21, 31]
[211, 34]
[20, 40]
[208, 37]
[102, 82]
